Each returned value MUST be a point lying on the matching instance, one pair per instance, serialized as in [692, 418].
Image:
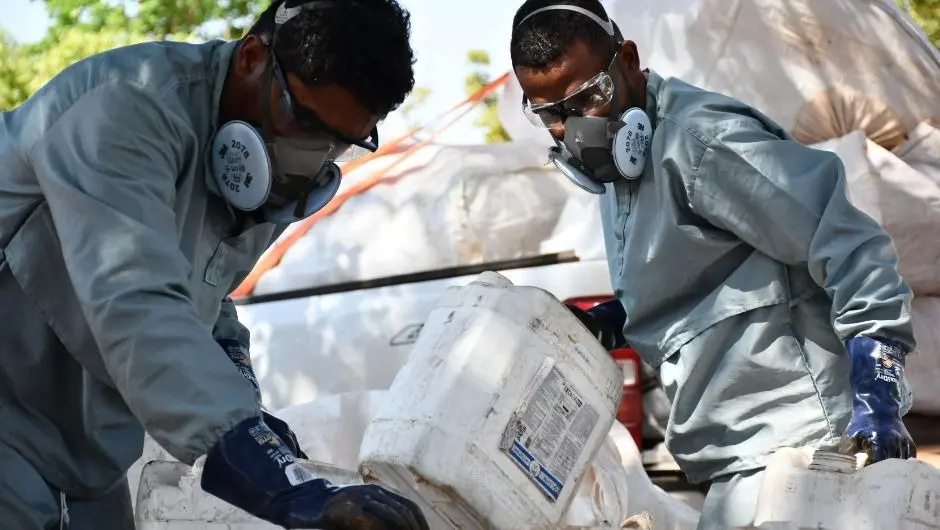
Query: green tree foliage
[410, 109]
[927, 14]
[158, 19]
[478, 78]
[81, 28]
[15, 74]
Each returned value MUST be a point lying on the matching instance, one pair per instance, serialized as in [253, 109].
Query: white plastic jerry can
[498, 413]
[803, 488]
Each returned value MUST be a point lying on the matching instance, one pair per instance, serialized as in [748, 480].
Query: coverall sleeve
[789, 201]
[108, 169]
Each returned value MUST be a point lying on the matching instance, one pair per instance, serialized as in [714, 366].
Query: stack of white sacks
[901, 190]
[438, 207]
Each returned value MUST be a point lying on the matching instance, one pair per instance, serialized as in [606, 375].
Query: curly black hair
[360, 45]
[544, 38]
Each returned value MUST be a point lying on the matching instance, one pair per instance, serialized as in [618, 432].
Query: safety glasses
[299, 122]
[589, 99]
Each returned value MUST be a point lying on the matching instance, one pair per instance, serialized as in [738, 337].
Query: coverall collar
[654, 83]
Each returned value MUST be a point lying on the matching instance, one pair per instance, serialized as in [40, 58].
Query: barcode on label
[297, 474]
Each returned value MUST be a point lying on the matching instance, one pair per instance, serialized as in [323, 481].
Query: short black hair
[543, 39]
[361, 45]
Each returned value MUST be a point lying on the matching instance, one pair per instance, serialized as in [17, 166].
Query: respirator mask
[596, 149]
[290, 175]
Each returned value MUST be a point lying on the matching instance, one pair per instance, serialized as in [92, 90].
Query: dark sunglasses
[308, 119]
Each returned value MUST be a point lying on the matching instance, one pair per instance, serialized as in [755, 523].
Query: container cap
[833, 462]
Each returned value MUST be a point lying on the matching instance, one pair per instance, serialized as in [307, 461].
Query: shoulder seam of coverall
[700, 138]
[695, 178]
[726, 125]
[694, 133]
[109, 83]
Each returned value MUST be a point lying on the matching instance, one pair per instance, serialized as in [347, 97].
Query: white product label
[298, 474]
[549, 432]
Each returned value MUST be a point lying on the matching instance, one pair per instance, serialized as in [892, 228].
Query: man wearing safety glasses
[138, 188]
[771, 307]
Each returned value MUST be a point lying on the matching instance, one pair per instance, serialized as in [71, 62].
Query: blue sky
[442, 33]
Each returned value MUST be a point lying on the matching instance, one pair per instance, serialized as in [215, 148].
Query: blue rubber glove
[604, 321]
[876, 427]
[284, 432]
[251, 468]
[238, 353]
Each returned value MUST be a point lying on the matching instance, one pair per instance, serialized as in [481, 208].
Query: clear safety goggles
[589, 99]
[303, 126]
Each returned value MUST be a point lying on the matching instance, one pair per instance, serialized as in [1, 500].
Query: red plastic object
[587, 302]
[630, 412]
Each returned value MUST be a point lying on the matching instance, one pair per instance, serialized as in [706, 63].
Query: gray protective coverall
[116, 257]
[743, 267]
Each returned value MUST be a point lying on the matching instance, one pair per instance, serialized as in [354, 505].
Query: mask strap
[607, 25]
[618, 80]
[267, 134]
[266, 98]
[302, 200]
[305, 193]
[284, 13]
[266, 131]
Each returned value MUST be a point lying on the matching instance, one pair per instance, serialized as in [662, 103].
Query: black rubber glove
[252, 469]
[876, 427]
[605, 322]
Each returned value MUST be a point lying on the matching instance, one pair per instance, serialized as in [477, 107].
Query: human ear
[251, 58]
[629, 58]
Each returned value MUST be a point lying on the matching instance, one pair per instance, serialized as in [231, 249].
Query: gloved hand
[283, 431]
[605, 322]
[876, 427]
[251, 468]
[238, 353]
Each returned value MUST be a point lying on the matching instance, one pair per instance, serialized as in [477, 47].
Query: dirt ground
[926, 433]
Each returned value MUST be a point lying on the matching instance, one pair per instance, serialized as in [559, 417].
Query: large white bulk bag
[905, 201]
[921, 151]
[444, 206]
[923, 367]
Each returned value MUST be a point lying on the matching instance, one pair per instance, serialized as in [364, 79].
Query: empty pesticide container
[498, 413]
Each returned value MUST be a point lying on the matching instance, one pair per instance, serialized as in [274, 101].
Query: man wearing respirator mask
[139, 188]
[772, 307]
